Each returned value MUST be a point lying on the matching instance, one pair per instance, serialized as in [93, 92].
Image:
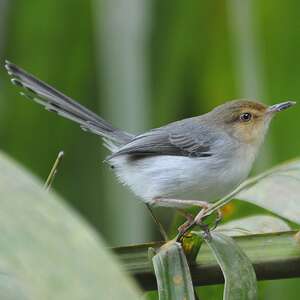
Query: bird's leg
[189, 219]
[199, 217]
[184, 228]
[169, 202]
[194, 221]
[198, 220]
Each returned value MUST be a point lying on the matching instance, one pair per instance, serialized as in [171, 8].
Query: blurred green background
[141, 64]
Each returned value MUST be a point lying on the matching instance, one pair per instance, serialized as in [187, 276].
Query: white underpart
[185, 178]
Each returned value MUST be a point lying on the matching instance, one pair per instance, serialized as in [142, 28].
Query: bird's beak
[280, 106]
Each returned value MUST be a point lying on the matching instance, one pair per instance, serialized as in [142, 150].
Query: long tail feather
[55, 101]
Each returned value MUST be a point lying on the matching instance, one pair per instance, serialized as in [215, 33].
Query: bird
[190, 162]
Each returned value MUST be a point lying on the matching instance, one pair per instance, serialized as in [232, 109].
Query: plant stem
[273, 255]
[157, 222]
[245, 185]
[53, 171]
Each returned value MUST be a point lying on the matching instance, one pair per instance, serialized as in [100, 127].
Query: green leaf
[11, 289]
[257, 224]
[278, 191]
[273, 255]
[239, 275]
[172, 273]
[47, 250]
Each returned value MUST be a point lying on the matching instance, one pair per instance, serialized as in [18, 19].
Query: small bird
[190, 162]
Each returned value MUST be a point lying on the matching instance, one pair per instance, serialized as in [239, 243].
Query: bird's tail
[56, 101]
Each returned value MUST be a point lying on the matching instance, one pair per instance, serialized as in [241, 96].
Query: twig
[157, 222]
[53, 171]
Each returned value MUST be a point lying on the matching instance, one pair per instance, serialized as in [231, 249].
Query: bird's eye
[245, 117]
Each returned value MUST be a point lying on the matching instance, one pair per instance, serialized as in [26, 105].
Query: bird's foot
[190, 219]
[199, 221]
[201, 215]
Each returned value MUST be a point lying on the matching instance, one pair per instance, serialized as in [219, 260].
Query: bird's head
[246, 120]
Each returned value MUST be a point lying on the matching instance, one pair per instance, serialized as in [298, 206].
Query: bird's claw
[198, 220]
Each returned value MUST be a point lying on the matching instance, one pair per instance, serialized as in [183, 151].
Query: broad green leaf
[11, 289]
[172, 273]
[278, 191]
[239, 275]
[254, 225]
[47, 250]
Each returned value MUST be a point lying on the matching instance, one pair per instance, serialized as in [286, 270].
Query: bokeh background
[141, 64]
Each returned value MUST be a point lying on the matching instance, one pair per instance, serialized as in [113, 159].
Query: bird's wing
[183, 138]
